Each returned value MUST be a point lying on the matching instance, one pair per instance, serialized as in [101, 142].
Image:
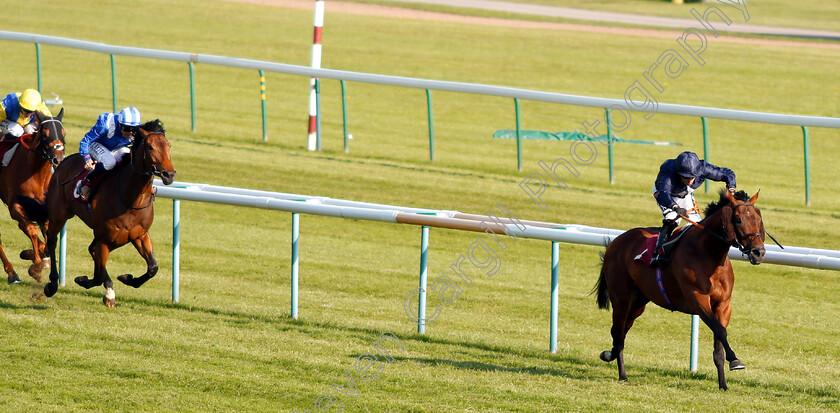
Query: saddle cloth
[645, 254]
[7, 149]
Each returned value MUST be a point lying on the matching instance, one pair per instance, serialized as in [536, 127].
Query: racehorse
[23, 187]
[119, 212]
[699, 279]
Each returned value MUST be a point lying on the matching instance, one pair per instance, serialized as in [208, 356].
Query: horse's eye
[737, 221]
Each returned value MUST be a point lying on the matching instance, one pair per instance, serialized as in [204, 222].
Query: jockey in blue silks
[105, 144]
[674, 192]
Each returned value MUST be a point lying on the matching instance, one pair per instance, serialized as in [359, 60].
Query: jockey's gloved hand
[680, 210]
[732, 189]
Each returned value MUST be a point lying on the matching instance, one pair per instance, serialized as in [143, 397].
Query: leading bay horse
[119, 212]
[698, 281]
[23, 187]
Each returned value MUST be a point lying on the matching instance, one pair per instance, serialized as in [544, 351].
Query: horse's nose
[167, 177]
[757, 256]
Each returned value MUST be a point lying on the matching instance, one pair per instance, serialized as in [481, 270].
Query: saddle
[645, 254]
[93, 185]
[8, 147]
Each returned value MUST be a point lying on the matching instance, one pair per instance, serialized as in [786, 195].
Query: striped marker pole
[316, 64]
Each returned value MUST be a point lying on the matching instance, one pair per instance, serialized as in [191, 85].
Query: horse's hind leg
[143, 245]
[623, 319]
[11, 275]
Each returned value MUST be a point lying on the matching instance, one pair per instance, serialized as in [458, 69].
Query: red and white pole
[316, 64]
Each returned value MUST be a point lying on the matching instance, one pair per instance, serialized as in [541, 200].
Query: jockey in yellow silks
[19, 109]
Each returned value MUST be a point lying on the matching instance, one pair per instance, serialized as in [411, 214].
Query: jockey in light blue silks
[674, 192]
[105, 144]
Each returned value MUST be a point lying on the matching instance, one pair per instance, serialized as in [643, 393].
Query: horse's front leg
[11, 275]
[100, 251]
[31, 230]
[143, 244]
[717, 319]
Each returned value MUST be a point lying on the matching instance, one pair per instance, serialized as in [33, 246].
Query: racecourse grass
[230, 345]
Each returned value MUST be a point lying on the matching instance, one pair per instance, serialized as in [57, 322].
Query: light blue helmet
[129, 116]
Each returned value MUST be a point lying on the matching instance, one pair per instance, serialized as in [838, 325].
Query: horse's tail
[600, 288]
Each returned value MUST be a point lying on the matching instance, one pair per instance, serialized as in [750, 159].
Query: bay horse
[698, 281]
[120, 211]
[23, 188]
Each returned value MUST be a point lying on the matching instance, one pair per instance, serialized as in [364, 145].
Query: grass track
[229, 345]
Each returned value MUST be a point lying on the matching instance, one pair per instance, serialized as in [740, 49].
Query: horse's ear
[143, 133]
[755, 197]
[726, 217]
[60, 114]
[731, 197]
[39, 116]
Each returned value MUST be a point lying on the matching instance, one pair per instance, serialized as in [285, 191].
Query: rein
[737, 242]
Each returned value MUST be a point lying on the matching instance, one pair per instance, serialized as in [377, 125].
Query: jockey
[20, 108]
[105, 144]
[674, 192]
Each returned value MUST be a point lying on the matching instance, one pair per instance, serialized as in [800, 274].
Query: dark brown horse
[698, 281]
[23, 187]
[120, 211]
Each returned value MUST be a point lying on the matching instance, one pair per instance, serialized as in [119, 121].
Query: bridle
[46, 147]
[738, 242]
[149, 170]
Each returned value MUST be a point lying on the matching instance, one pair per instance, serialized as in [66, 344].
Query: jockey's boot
[83, 188]
[660, 258]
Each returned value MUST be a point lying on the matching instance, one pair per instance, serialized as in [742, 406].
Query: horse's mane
[716, 206]
[154, 126]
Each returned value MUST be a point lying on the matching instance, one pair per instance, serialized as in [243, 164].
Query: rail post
[555, 293]
[424, 266]
[114, 83]
[344, 117]
[807, 166]
[295, 262]
[431, 125]
[62, 259]
[192, 94]
[518, 136]
[176, 250]
[38, 67]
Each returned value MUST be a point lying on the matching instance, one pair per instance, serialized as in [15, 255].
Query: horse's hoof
[81, 280]
[27, 255]
[109, 299]
[606, 356]
[736, 365]
[126, 279]
[50, 289]
[35, 272]
[13, 278]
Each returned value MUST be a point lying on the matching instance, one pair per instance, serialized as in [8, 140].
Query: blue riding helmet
[129, 116]
[688, 165]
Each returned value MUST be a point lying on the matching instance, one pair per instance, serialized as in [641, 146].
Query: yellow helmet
[30, 99]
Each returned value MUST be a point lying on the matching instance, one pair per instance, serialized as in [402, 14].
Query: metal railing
[607, 104]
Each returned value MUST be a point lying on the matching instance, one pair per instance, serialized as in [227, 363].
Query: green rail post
[114, 83]
[807, 166]
[424, 270]
[262, 99]
[518, 136]
[192, 95]
[431, 125]
[705, 146]
[610, 147]
[38, 65]
[344, 117]
[176, 250]
[62, 256]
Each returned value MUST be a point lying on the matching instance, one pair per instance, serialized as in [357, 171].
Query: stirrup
[79, 192]
[660, 261]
